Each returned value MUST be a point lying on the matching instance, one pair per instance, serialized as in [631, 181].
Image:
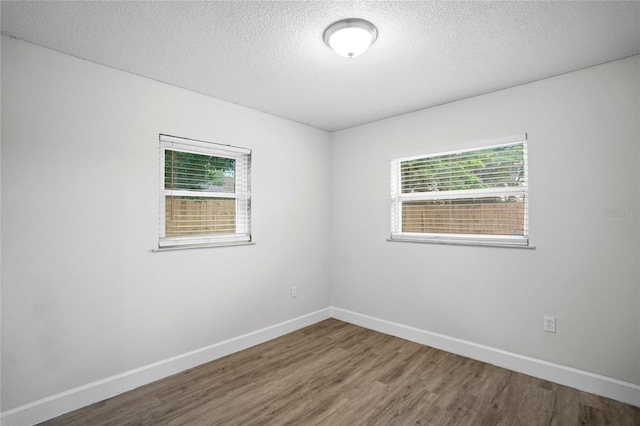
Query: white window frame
[398, 198]
[242, 193]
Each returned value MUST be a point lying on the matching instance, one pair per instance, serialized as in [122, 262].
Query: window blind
[477, 195]
[204, 193]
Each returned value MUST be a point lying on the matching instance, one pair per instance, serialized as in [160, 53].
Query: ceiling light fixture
[350, 37]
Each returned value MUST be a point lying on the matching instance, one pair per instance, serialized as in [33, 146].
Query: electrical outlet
[294, 291]
[550, 324]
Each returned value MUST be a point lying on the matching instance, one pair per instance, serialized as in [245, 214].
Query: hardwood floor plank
[334, 373]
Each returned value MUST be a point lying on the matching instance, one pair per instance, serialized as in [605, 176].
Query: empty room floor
[335, 373]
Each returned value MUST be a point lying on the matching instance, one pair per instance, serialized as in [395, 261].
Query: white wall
[83, 296]
[584, 155]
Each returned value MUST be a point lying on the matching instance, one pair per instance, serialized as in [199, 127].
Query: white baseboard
[628, 393]
[56, 405]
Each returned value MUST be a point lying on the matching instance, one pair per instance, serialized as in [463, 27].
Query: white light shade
[350, 37]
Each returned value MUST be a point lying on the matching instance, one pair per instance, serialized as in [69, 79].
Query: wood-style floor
[334, 373]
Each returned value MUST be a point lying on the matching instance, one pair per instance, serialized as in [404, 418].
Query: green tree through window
[198, 172]
[487, 168]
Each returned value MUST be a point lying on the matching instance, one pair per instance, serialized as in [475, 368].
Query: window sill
[462, 243]
[204, 246]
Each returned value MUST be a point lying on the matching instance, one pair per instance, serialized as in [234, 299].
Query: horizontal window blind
[204, 193]
[477, 195]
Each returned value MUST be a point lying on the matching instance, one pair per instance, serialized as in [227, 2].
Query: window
[204, 193]
[468, 196]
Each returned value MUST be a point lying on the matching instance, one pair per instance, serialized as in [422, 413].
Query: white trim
[626, 392]
[464, 193]
[220, 240]
[203, 246]
[443, 150]
[471, 239]
[64, 402]
[191, 145]
[203, 194]
[450, 239]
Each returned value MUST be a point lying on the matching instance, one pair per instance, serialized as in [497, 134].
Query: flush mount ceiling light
[350, 37]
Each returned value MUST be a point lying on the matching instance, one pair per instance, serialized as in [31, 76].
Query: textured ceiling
[269, 55]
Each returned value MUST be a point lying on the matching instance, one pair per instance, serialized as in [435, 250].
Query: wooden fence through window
[492, 218]
[199, 216]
